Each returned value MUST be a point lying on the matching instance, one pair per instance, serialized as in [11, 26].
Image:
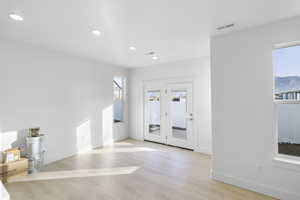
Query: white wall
[199, 70]
[243, 110]
[67, 97]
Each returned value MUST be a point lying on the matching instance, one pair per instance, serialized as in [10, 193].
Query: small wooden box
[11, 169]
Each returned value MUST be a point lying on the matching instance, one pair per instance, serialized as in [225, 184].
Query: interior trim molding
[256, 187]
[203, 150]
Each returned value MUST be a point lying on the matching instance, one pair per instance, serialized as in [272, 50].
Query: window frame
[283, 160]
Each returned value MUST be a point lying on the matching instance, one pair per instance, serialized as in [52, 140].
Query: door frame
[164, 83]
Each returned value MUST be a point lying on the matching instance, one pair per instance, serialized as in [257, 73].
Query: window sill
[287, 101]
[287, 163]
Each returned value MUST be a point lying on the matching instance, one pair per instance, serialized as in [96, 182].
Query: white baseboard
[256, 187]
[203, 150]
[52, 160]
[121, 138]
[136, 138]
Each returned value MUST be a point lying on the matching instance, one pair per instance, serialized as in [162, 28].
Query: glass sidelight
[179, 113]
[154, 106]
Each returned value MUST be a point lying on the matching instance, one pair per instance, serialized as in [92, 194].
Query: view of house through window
[118, 86]
[287, 97]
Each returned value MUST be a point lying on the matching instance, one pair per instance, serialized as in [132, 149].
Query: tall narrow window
[118, 86]
[287, 97]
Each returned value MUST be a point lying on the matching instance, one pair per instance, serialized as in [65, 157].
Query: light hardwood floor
[129, 170]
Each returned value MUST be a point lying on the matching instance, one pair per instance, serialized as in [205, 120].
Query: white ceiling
[174, 29]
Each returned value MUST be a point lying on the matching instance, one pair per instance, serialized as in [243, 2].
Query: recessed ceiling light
[96, 32]
[132, 48]
[154, 57]
[15, 17]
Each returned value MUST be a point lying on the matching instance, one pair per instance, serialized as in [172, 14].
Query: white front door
[168, 114]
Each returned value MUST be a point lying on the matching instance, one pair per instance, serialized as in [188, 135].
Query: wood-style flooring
[129, 170]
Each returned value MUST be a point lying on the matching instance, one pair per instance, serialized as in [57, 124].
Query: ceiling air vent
[225, 27]
[151, 53]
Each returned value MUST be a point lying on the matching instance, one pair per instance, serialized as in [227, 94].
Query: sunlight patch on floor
[75, 174]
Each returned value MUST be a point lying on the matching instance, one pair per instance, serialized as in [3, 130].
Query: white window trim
[287, 162]
[287, 45]
[287, 101]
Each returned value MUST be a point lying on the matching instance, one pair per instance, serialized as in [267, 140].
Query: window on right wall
[286, 61]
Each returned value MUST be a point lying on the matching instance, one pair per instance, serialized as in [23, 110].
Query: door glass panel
[179, 113]
[154, 112]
